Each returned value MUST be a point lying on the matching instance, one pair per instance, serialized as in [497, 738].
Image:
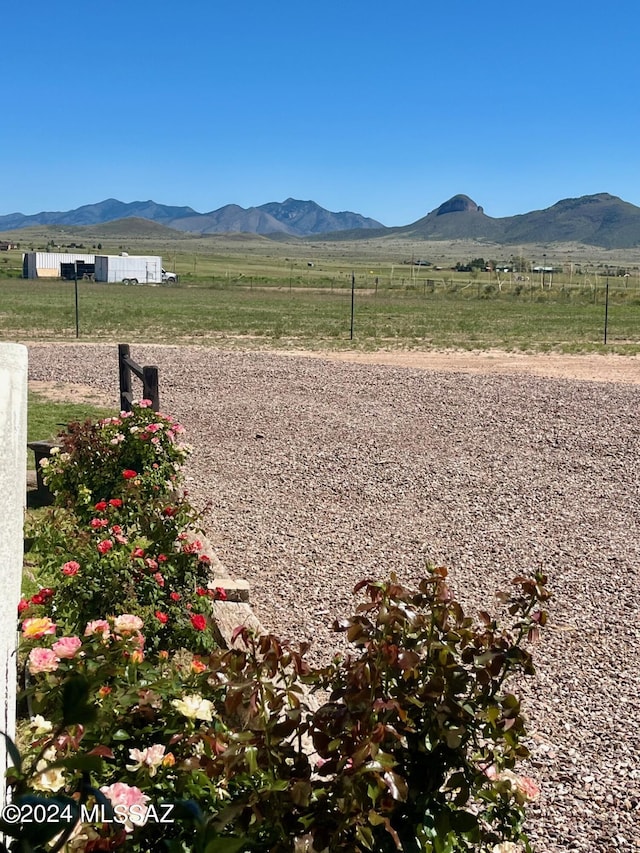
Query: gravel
[315, 474]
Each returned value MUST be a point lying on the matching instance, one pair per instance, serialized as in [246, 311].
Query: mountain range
[598, 220]
[291, 217]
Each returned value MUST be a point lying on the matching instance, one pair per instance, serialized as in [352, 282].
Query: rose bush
[108, 564]
[413, 745]
[121, 537]
[139, 452]
[413, 748]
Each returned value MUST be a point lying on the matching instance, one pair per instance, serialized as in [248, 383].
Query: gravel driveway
[317, 473]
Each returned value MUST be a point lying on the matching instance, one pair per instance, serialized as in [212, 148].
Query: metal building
[49, 264]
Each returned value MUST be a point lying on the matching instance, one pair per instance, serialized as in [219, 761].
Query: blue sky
[386, 109]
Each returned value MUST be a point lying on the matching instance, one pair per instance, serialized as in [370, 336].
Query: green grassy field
[428, 314]
[47, 418]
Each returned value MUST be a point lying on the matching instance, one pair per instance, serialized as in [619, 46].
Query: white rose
[194, 707]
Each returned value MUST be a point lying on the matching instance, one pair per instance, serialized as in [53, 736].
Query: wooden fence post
[125, 377]
[13, 490]
[148, 375]
[150, 387]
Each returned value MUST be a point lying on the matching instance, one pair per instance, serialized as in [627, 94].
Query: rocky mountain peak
[458, 204]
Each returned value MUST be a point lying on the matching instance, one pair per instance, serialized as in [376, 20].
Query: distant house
[5, 246]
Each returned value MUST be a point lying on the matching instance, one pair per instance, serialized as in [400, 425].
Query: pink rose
[127, 796]
[42, 660]
[150, 758]
[527, 787]
[127, 623]
[67, 647]
[105, 546]
[97, 626]
[71, 568]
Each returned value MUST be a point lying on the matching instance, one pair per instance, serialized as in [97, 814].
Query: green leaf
[14, 753]
[120, 734]
[463, 821]
[88, 763]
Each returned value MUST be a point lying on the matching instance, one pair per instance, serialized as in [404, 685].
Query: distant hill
[599, 220]
[131, 226]
[596, 220]
[296, 218]
[458, 218]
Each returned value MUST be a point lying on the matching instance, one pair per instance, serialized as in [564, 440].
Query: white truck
[133, 269]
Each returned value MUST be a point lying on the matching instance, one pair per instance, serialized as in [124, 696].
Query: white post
[13, 489]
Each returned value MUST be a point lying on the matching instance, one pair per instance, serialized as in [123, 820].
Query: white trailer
[132, 269]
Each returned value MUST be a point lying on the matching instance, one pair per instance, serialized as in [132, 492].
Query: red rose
[175, 596]
[23, 604]
[137, 552]
[169, 510]
[128, 474]
[37, 599]
[221, 593]
[101, 506]
[198, 621]
[115, 502]
[202, 591]
[162, 617]
[104, 547]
